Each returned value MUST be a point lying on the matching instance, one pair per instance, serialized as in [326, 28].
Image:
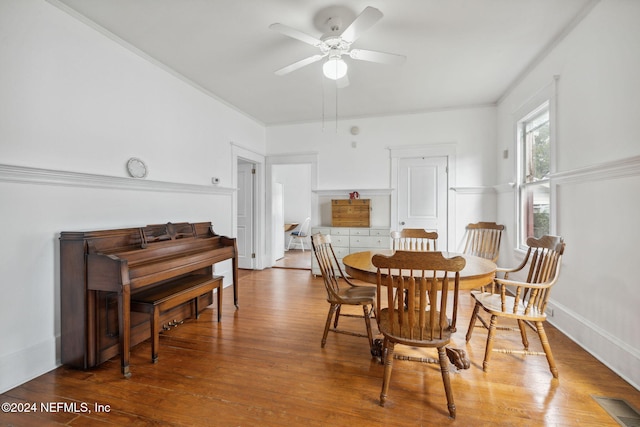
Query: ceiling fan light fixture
[334, 68]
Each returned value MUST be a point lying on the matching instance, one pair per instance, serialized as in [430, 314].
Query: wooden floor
[263, 365]
[296, 259]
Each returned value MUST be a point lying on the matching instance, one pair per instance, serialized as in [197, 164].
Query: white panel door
[245, 216]
[422, 195]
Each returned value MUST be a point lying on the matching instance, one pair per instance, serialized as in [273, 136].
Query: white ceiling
[460, 53]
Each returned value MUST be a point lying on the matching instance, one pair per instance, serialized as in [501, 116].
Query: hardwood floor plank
[263, 365]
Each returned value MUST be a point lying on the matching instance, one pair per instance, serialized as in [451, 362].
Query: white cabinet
[349, 240]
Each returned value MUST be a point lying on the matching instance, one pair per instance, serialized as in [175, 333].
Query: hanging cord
[322, 85]
[336, 83]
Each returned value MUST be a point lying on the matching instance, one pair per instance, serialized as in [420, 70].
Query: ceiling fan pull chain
[336, 83]
[322, 85]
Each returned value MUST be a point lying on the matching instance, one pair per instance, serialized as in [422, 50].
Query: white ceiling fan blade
[298, 35]
[373, 56]
[299, 64]
[364, 21]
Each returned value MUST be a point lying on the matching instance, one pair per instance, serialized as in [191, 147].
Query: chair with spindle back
[483, 240]
[427, 317]
[300, 236]
[414, 239]
[524, 301]
[341, 290]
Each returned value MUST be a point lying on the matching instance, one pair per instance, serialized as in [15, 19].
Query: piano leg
[124, 325]
[234, 261]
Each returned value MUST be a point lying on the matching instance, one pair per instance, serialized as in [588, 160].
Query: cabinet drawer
[379, 232]
[339, 231]
[341, 252]
[340, 241]
[317, 230]
[376, 242]
[358, 231]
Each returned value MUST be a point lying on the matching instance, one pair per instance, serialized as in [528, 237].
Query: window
[534, 154]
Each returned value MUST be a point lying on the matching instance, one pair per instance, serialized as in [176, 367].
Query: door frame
[447, 150]
[241, 153]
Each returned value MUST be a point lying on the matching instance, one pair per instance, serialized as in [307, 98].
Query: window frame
[537, 105]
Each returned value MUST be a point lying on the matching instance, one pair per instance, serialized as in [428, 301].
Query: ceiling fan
[337, 43]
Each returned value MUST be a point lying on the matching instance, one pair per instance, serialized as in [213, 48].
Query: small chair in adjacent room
[524, 301]
[341, 290]
[301, 235]
[427, 317]
[414, 239]
[483, 240]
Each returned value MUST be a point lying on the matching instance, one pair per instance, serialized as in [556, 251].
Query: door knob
[402, 223]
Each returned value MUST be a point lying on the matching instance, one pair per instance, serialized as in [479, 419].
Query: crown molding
[29, 175]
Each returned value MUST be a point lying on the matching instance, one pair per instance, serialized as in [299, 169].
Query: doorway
[291, 204]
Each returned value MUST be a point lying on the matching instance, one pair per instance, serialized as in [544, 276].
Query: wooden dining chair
[414, 239]
[427, 318]
[522, 300]
[482, 239]
[341, 290]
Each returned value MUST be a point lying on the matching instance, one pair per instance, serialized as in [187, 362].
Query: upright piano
[101, 270]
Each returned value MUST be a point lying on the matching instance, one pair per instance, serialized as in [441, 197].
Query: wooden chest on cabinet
[350, 212]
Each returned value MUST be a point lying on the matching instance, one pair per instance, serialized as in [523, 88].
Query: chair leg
[367, 321]
[489, 348]
[289, 244]
[523, 334]
[547, 349]
[444, 369]
[472, 322]
[387, 354]
[335, 319]
[332, 310]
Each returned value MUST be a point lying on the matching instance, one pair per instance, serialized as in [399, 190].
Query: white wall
[74, 106]
[597, 180]
[296, 182]
[368, 166]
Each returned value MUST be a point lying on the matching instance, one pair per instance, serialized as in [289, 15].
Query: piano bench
[168, 295]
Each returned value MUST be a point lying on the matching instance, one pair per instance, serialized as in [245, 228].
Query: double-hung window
[534, 189]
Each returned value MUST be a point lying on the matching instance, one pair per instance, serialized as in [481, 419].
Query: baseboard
[618, 356]
[26, 364]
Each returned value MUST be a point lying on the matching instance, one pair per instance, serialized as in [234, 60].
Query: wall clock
[136, 168]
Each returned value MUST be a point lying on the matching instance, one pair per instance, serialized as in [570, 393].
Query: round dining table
[477, 271]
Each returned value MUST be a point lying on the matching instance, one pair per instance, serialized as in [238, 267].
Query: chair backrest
[329, 266]
[414, 239]
[483, 240]
[429, 279]
[544, 257]
[304, 228]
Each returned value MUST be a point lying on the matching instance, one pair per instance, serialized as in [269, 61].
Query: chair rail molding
[629, 166]
[31, 175]
[474, 190]
[362, 192]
